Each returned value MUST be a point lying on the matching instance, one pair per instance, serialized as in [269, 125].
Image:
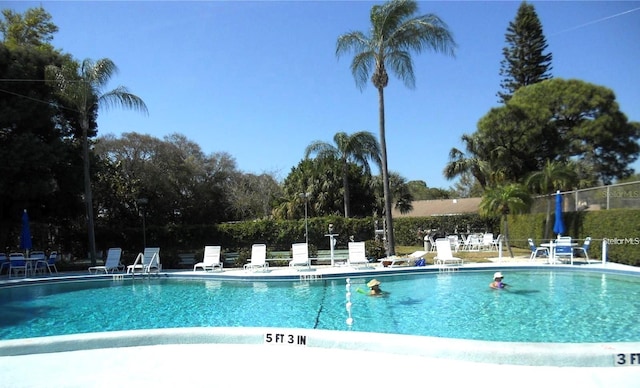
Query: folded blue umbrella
[25, 234]
[558, 226]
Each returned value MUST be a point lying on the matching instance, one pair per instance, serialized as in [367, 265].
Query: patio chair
[51, 261]
[444, 254]
[17, 263]
[584, 248]
[535, 250]
[563, 249]
[4, 262]
[147, 261]
[210, 259]
[258, 258]
[487, 241]
[300, 255]
[37, 261]
[357, 254]
[111, 264]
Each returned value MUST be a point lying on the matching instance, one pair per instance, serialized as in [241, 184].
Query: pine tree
[525, 62]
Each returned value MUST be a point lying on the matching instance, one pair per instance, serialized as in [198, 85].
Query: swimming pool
[542, 306]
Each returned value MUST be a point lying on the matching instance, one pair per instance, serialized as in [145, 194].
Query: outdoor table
[552, 250]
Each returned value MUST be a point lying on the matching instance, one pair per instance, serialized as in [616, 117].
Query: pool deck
[204, 357]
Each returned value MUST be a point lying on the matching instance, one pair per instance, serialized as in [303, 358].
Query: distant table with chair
[560, 248]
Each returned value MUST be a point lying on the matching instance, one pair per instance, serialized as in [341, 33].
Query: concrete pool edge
[511, 353]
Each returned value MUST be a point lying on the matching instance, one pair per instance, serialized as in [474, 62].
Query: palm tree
[81, 86]
[395, 32]
[554, 176]
[503, 200]
[358, 148]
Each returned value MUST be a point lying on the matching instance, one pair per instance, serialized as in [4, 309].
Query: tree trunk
[391, 243]
[506, 235]
[88, 196]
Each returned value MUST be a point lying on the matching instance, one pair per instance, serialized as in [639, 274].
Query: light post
[306, 224]
[142, 204]
[332, 242]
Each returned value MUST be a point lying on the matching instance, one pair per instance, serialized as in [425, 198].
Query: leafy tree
[252, 196]
[525, 62]
[400, 193]
[576, 120]
[395, 33]
[81, 86]
[503, 200]
[553, 176]
[556, 119]
[40, 158]
[178, 180]
[322, 179]
[358, 148]
[420, 191]
[33, 28]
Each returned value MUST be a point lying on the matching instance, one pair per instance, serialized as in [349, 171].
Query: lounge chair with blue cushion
[258, 258]
[146, 262]
[210, 260]
[393, 261]
[111, 264]
[300, 255]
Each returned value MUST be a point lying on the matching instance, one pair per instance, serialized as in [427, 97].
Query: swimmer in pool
[374, 287]
[497, 283]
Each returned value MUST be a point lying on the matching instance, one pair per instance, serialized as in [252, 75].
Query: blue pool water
[541, 306]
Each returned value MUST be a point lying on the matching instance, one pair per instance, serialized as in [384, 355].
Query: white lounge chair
[147, 261]
[210, 260]
[111, 263]
[409, 260]
[444, 254]
[258, 258]
[357, 254]
[300, 253]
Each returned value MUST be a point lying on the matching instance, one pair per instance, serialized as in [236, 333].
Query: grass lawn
[468, 257]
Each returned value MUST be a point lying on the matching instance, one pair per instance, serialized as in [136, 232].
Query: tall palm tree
[554, 176]
[503, 200]
[395, 32]
[358, 148]
[82, 86]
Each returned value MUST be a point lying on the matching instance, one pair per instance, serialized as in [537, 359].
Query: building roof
[441, 207]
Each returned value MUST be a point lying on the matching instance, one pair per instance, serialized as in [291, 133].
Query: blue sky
[260, 79]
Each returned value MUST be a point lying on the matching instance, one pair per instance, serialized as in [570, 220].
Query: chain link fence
[616, 196]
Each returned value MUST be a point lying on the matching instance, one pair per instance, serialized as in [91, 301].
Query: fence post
[604, 251]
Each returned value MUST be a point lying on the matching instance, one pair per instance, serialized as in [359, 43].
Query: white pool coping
[242, 357]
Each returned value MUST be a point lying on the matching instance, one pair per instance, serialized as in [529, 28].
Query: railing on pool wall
[348, 305]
